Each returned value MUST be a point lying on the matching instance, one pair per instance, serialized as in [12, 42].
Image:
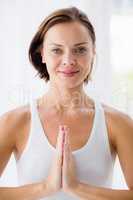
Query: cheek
[86, 63]
[86, 66]
[52, 63]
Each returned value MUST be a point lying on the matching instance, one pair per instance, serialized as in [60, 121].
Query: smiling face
[68, 52]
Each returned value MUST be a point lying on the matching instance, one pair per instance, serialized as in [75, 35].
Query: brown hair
[58, 16]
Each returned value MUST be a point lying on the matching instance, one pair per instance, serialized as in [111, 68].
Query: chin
[71, 85]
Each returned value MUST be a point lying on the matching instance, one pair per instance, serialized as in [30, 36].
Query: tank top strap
[33, 107]
[102, 124]
[38, 132]
[35, 121]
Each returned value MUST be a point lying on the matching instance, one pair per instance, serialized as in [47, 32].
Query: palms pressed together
[62, 174]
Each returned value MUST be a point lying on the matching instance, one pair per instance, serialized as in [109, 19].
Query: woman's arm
[122, 132]
[26, 192]
[10, 123]
[86, 192]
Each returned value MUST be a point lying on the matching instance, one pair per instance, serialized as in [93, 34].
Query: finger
[67, 140]
[60, 137]
[60, 141]
[66, 148]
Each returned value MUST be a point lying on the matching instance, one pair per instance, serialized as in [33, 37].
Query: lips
[68, 72]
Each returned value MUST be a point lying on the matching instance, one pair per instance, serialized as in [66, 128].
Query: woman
[65, 142]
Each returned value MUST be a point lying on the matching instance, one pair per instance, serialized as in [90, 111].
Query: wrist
[47, 191]
[73, 189]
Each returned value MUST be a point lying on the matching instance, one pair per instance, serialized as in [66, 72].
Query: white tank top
[94, 161]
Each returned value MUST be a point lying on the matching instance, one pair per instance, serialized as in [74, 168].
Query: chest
[80, 126]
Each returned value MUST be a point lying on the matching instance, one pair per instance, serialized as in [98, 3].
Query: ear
[42, 55]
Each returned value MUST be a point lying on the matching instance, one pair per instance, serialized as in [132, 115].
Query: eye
[80, 50]
[56, 51]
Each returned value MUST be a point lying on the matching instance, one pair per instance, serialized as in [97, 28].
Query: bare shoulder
[13, 126]
[121, 132]
[13, 121]
[119, 123]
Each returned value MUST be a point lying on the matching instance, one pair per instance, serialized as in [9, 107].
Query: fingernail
[62, 128]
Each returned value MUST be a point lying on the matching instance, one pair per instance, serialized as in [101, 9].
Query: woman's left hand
[69, 180]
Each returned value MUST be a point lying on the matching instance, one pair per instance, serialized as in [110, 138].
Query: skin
[67, 103]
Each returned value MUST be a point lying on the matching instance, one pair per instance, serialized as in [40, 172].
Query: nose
[69, 60]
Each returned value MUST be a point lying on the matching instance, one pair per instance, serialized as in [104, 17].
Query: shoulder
[117, 118]
[12, 121]
[120, 124]
[16, 116]
[121, 131]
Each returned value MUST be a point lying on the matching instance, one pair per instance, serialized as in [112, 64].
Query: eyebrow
[77, 44]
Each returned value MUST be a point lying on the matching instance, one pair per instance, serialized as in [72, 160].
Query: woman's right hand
[54, 179]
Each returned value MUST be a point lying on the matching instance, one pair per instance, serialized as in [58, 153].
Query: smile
[69, 74]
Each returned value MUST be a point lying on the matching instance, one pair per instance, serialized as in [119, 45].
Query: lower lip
[69, 74]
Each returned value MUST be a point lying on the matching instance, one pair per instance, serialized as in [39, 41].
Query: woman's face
[68, 52]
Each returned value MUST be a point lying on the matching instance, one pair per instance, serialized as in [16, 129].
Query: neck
[67, 99]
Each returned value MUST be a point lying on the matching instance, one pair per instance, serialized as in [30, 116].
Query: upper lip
[68, 71]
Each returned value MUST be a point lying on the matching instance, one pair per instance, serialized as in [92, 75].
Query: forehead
[68, 32]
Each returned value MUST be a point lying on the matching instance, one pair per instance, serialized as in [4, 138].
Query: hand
[54, 180]
[69, 180]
